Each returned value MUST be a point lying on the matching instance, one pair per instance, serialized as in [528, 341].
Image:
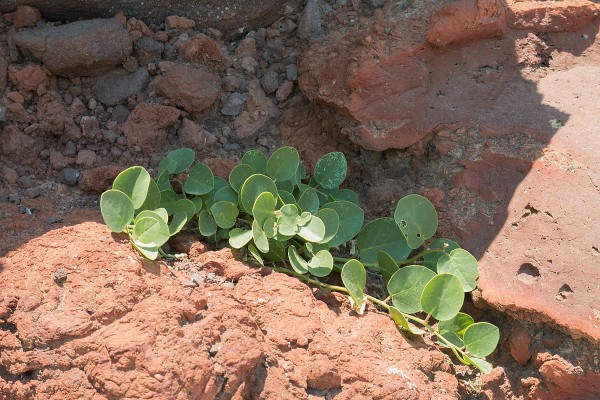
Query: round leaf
[177, 161]
[151, 231]
[430, 260]
[382, 234]
[178, 222]
[313, 231]
[260, 238]
[457, 325]
[481, 338]
[480, 364]
[226, 194]
[200, 180]
[239, 238]
[206, 224]
[152, 198]
[134, 183]
[406, 287]
[283, 163]
[168, 199]
[462, 264]
[386, 264]
[238, 176]
[276, 251]
[417, 219]
[257, 160]
[286, 197]
[347, 195]
[186, 206]
[298, 263]
[351, 220]
[164, 181]
[330, 170]
[225, 213]
[264, 207]
[321, 264]
[117, 210]
[309, 201]
[354, 278]
[253, 187]
[148, 251]
[332, 222]
[159, 213]
[443, 297]
[197, 200]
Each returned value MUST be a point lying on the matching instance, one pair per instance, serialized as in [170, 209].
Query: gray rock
[70, 149]
[68, 176]
[377, 3]
[147, 50]
[83, 48]
[115, 87]
[234, 104]
[270, 81]
[225, 15]
[25, 182]
[291, 72]
[2, 113]
[310, 24]
[32, 193]
[120, 113]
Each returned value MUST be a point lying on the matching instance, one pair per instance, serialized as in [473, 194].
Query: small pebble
[59, 276]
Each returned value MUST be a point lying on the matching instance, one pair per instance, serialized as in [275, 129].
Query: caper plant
[307, 227]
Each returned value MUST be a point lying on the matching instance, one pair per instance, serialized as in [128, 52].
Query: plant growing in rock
[306, 226]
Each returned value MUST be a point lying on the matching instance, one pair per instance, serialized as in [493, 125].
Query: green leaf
[321, 264]
[443, 297]
[227, 194]
[197, 200]
[331, 220]
[151, 231]
[330, 170]
[387, 265]
[289, 214]
[164, 181]
[264, 207]
[481, 339]
[162, 212]
[286, 186]
[406, 287]
[351, 220]
[283, 163]
[457, 325]
[177, 161]
[200, 180]
[225, 214]
[117, 210]
[480, 364]
[159, 213]
[168, 199]
[286, 197]
[382, 234]
[186, 206]
[313, 231]
[134, 182]
[417, 219]
[178, 222]
[270, 228]
[403, 323]
[309, 201]
[260, 238]
[239, 238]
[462, 264]
[254, 187]
[354, 278]
[256, 254]
[430, 260]
[238, 176]
[206, 224]
[152, 198]
[276, 251]
[347, 195]
[298, 263]
[452, 338]
[257, 160]
[148, 251]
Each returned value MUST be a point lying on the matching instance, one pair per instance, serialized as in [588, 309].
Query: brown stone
[519, 341]
[192, 135]
[204, 50]
[258, 109]
[99, 179]
[467, 20]
[562, 16]
[28, 78]
[193, 89]
[323, 375]
[26, 16]
[147, 126]
[177, 22]
[83, 48]
[3, 72]
[568, 381]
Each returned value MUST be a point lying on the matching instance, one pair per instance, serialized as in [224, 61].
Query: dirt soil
[489, 108]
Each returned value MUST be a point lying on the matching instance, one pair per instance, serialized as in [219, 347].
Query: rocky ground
[487, 107]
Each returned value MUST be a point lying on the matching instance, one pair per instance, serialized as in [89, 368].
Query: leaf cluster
[307, 226]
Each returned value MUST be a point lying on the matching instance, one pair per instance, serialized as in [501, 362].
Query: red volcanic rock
[176, 22]
[24, 16]
[570, 15]
[92, 320]
[567, 381]
[83, 48]
[28, 78]
[193, 89]
[519, 341]
[204, 50]
[99, 179]
[147, 126]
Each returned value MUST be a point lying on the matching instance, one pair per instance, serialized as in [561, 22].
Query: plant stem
[420, 255]
[165, 255]
[306, 279]
[344, 260]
